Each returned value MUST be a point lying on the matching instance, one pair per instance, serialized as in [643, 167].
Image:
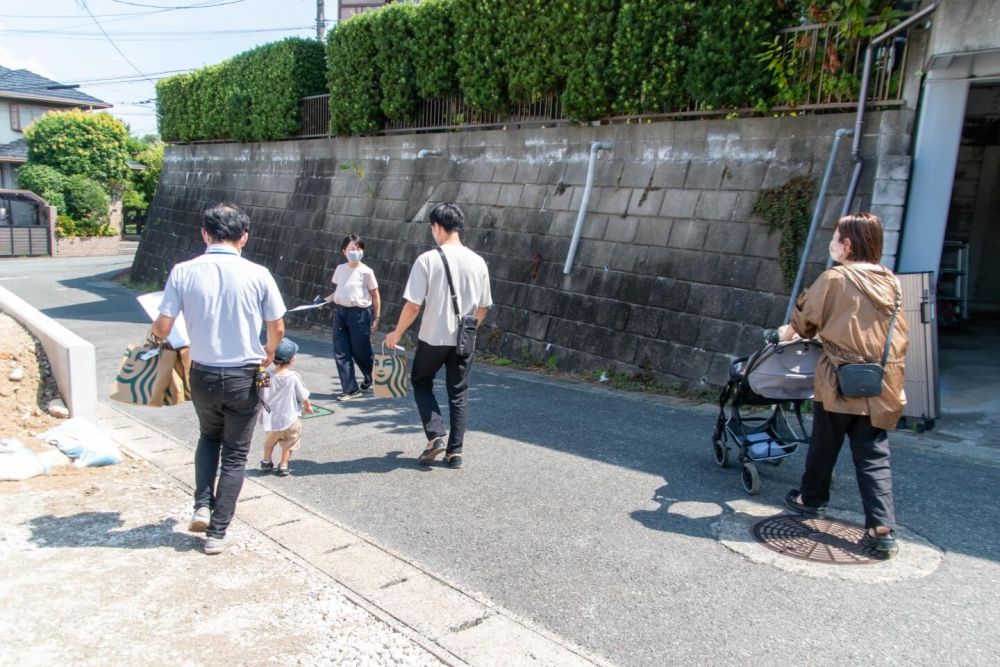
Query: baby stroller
[779, 376]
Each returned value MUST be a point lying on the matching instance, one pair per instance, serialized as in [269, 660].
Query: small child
[280, 416]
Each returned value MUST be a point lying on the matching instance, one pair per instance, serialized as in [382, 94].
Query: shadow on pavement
[118, 304]
[374, 464]
[99, 529]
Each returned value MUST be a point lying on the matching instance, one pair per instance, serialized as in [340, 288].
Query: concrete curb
[72, 359]
[458, 627]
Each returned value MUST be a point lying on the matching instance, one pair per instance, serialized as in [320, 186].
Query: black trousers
[352, 331]
[427, 361]
[870, 449]
[226, 402]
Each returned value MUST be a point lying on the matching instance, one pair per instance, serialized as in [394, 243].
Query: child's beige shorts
[288, 439]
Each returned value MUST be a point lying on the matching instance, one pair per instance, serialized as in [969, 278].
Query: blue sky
[59, 39]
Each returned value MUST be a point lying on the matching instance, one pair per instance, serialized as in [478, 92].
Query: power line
[111, 41]
[197, 5]
[124, 34]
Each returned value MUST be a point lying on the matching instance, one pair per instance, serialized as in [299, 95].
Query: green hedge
[602, 56]
[649, 54]
[255, 96]
[722, 71]
[352, 77]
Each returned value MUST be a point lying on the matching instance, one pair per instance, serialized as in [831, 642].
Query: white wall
[7, 135]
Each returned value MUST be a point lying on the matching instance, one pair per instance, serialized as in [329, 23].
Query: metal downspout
[817, 215]
[859, 121]
[594, 148]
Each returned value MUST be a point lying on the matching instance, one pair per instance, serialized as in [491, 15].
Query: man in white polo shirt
[225, 300]
[436, 342]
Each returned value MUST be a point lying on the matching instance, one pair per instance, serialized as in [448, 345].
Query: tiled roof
[18, 82]
[15, 150]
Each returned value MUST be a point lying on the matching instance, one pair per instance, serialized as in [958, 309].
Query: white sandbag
[83, 442]
[18, 462]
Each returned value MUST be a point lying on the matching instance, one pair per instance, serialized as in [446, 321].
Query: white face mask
[355, 255]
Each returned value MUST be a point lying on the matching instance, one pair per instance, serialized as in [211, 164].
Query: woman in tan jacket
[850, 308]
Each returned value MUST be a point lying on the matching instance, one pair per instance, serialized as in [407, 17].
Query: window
[22, 116]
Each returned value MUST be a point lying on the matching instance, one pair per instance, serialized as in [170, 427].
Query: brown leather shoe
[434, 449]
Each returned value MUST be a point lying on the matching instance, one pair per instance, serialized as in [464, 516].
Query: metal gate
[21, 241]
[923, 400]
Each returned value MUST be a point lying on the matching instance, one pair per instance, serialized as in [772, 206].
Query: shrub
[80, 143]
[352, 77]
[67, 227]
[432, 50]
[392, 32]
[479, 53]
[86, 200]
[533, 41]
[254, 96]
[648, 55]
[589, 29]
[45, 182]
[721, 69]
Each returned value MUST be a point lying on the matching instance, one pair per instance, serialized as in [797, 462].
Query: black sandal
[800, 508]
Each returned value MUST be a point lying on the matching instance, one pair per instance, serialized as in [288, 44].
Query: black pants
[352, 331]
[870, 449]
[427, 361]
[226, 402]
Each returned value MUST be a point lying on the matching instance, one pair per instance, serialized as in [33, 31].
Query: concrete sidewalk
[296, 588]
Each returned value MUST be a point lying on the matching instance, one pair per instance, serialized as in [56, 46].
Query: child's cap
[286, 351]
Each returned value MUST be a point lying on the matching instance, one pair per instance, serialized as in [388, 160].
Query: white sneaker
[200, 520]
[216, 545]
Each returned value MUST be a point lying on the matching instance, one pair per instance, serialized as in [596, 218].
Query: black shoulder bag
[465, 345]
[865, 380]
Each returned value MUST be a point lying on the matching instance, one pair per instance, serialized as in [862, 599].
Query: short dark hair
[349, 239]
[449, 216]
[865, 232]
[225, 222]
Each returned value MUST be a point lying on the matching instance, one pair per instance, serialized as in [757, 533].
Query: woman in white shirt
[356, 318]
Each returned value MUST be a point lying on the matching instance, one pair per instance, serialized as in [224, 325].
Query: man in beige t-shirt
[427, 286]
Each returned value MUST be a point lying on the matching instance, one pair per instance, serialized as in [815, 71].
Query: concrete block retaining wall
[673, 273]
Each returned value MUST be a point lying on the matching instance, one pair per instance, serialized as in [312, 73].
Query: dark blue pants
[352, 330]
[226, 402]
[427, 361]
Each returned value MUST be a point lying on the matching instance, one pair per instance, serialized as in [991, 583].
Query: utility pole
[320, 20]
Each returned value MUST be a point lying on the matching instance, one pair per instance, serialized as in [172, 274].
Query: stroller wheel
[720, 449]
[750, 478]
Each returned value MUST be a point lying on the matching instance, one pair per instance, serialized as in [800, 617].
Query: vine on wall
[788, 209]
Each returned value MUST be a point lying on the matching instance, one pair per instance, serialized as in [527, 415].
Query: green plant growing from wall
[787, 209]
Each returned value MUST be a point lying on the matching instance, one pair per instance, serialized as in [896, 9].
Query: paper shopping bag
[389, 375]
[153, 377]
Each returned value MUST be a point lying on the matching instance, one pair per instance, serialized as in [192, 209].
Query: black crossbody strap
[451, 287]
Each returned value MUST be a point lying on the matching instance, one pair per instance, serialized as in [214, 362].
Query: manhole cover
[818, 540]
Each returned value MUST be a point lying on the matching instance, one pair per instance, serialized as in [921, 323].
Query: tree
[80, 143]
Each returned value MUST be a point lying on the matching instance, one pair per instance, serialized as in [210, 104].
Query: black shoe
[799, 508]
[348, 395]
[885, 546]
[366, 385]
[266, 466]
[453, 460]
[281, 471]
[434, 449]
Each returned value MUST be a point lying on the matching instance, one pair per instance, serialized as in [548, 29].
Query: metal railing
[825, 75]
[315, 116]
[828, 67]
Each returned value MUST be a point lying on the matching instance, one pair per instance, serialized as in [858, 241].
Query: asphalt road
[590, 511]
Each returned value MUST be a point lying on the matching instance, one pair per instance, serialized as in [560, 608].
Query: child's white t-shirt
[284, 398]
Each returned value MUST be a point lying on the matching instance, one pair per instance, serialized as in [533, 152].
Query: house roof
[15, 151]
[22, 84]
